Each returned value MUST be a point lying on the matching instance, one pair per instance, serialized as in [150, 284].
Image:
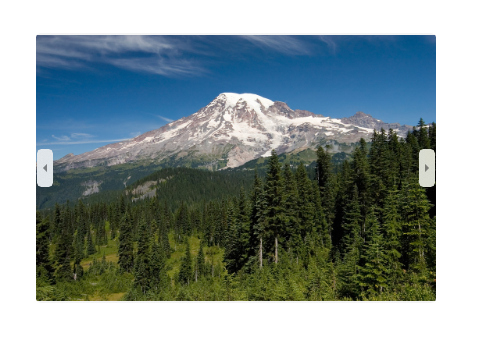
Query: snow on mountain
[236, 127]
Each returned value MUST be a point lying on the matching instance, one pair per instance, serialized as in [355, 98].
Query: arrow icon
[426, 168]
[45, 167]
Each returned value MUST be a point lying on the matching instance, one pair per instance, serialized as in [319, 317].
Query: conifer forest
[363, 229]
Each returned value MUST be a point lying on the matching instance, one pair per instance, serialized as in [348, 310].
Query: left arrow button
[45, 172]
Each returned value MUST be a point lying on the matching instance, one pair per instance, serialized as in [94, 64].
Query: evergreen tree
[256, 219]
[56, 221]
[183, 224]
[361, 172]
[352, 219]
[165, 244]
[413, 144]
[352, 246]
[100, 233]
[157, 265]
[379, 169]
[432, 131]
[393, 231]
[320, 221]
[274, 217]
[122, 207]
[291, 209]
[81, 223]
[325, 180]
[393, 157]
[90, 247]
[416, 224]
[305, 203]
[185, 271]
[373, 275]
[114, 222]
[42, 244]
[323, 167]
[142, 262]
[153, 229]
[408, 164]
[348, 270]
[125, 249]
[63, 250]
[243, 226]
[78, 250]
[423, 138]
[231, 243]
[430, 251]
[200, 262]
[345, 187]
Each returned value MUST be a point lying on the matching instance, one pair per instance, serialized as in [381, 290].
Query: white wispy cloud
[62, 138]
[80, 142]
[165, 118]
[81, 135]
[289, 45]
[158, 65]
[330, 41]
[163, 55]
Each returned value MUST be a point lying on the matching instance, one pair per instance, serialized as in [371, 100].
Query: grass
[107, 297]
[213, 253]
[110, 250]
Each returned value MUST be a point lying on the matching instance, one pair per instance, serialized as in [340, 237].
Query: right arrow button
[427, 168]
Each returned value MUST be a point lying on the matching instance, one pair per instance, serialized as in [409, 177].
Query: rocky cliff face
[236, 128]
[366, 120]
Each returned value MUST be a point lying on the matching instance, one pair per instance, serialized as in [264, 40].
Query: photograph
[235, 168]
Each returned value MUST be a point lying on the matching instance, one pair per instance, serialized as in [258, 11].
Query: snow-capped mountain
[234, 128]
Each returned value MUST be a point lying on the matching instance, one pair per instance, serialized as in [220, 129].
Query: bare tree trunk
[260, 254]
[276, 255]
[196, 275]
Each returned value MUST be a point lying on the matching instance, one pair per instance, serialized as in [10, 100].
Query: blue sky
[93, 90]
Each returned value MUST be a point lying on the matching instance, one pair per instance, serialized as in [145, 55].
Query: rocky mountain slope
[231, 130]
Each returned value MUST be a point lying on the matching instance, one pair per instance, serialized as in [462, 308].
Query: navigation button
[45, 168]
[427, 168]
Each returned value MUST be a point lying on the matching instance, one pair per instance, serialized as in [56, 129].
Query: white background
[451, 317]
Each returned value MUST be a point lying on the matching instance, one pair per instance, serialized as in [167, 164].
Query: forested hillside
[365, 232]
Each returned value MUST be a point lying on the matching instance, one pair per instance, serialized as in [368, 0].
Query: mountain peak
[66, 157]
[362, 115]
[251, 99]
[231, 130]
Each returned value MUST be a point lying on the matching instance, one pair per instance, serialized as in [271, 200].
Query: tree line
[366, 231]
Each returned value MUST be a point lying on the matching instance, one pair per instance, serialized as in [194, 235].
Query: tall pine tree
[274, 214]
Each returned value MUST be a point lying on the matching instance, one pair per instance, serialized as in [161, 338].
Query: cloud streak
[81, 135]
[62, 138]
[165, 118]
[170, 56]
[162, 55]
[288, 45]
[80, 142]
[330, 41]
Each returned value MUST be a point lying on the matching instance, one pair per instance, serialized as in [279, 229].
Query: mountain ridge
[232, 130]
